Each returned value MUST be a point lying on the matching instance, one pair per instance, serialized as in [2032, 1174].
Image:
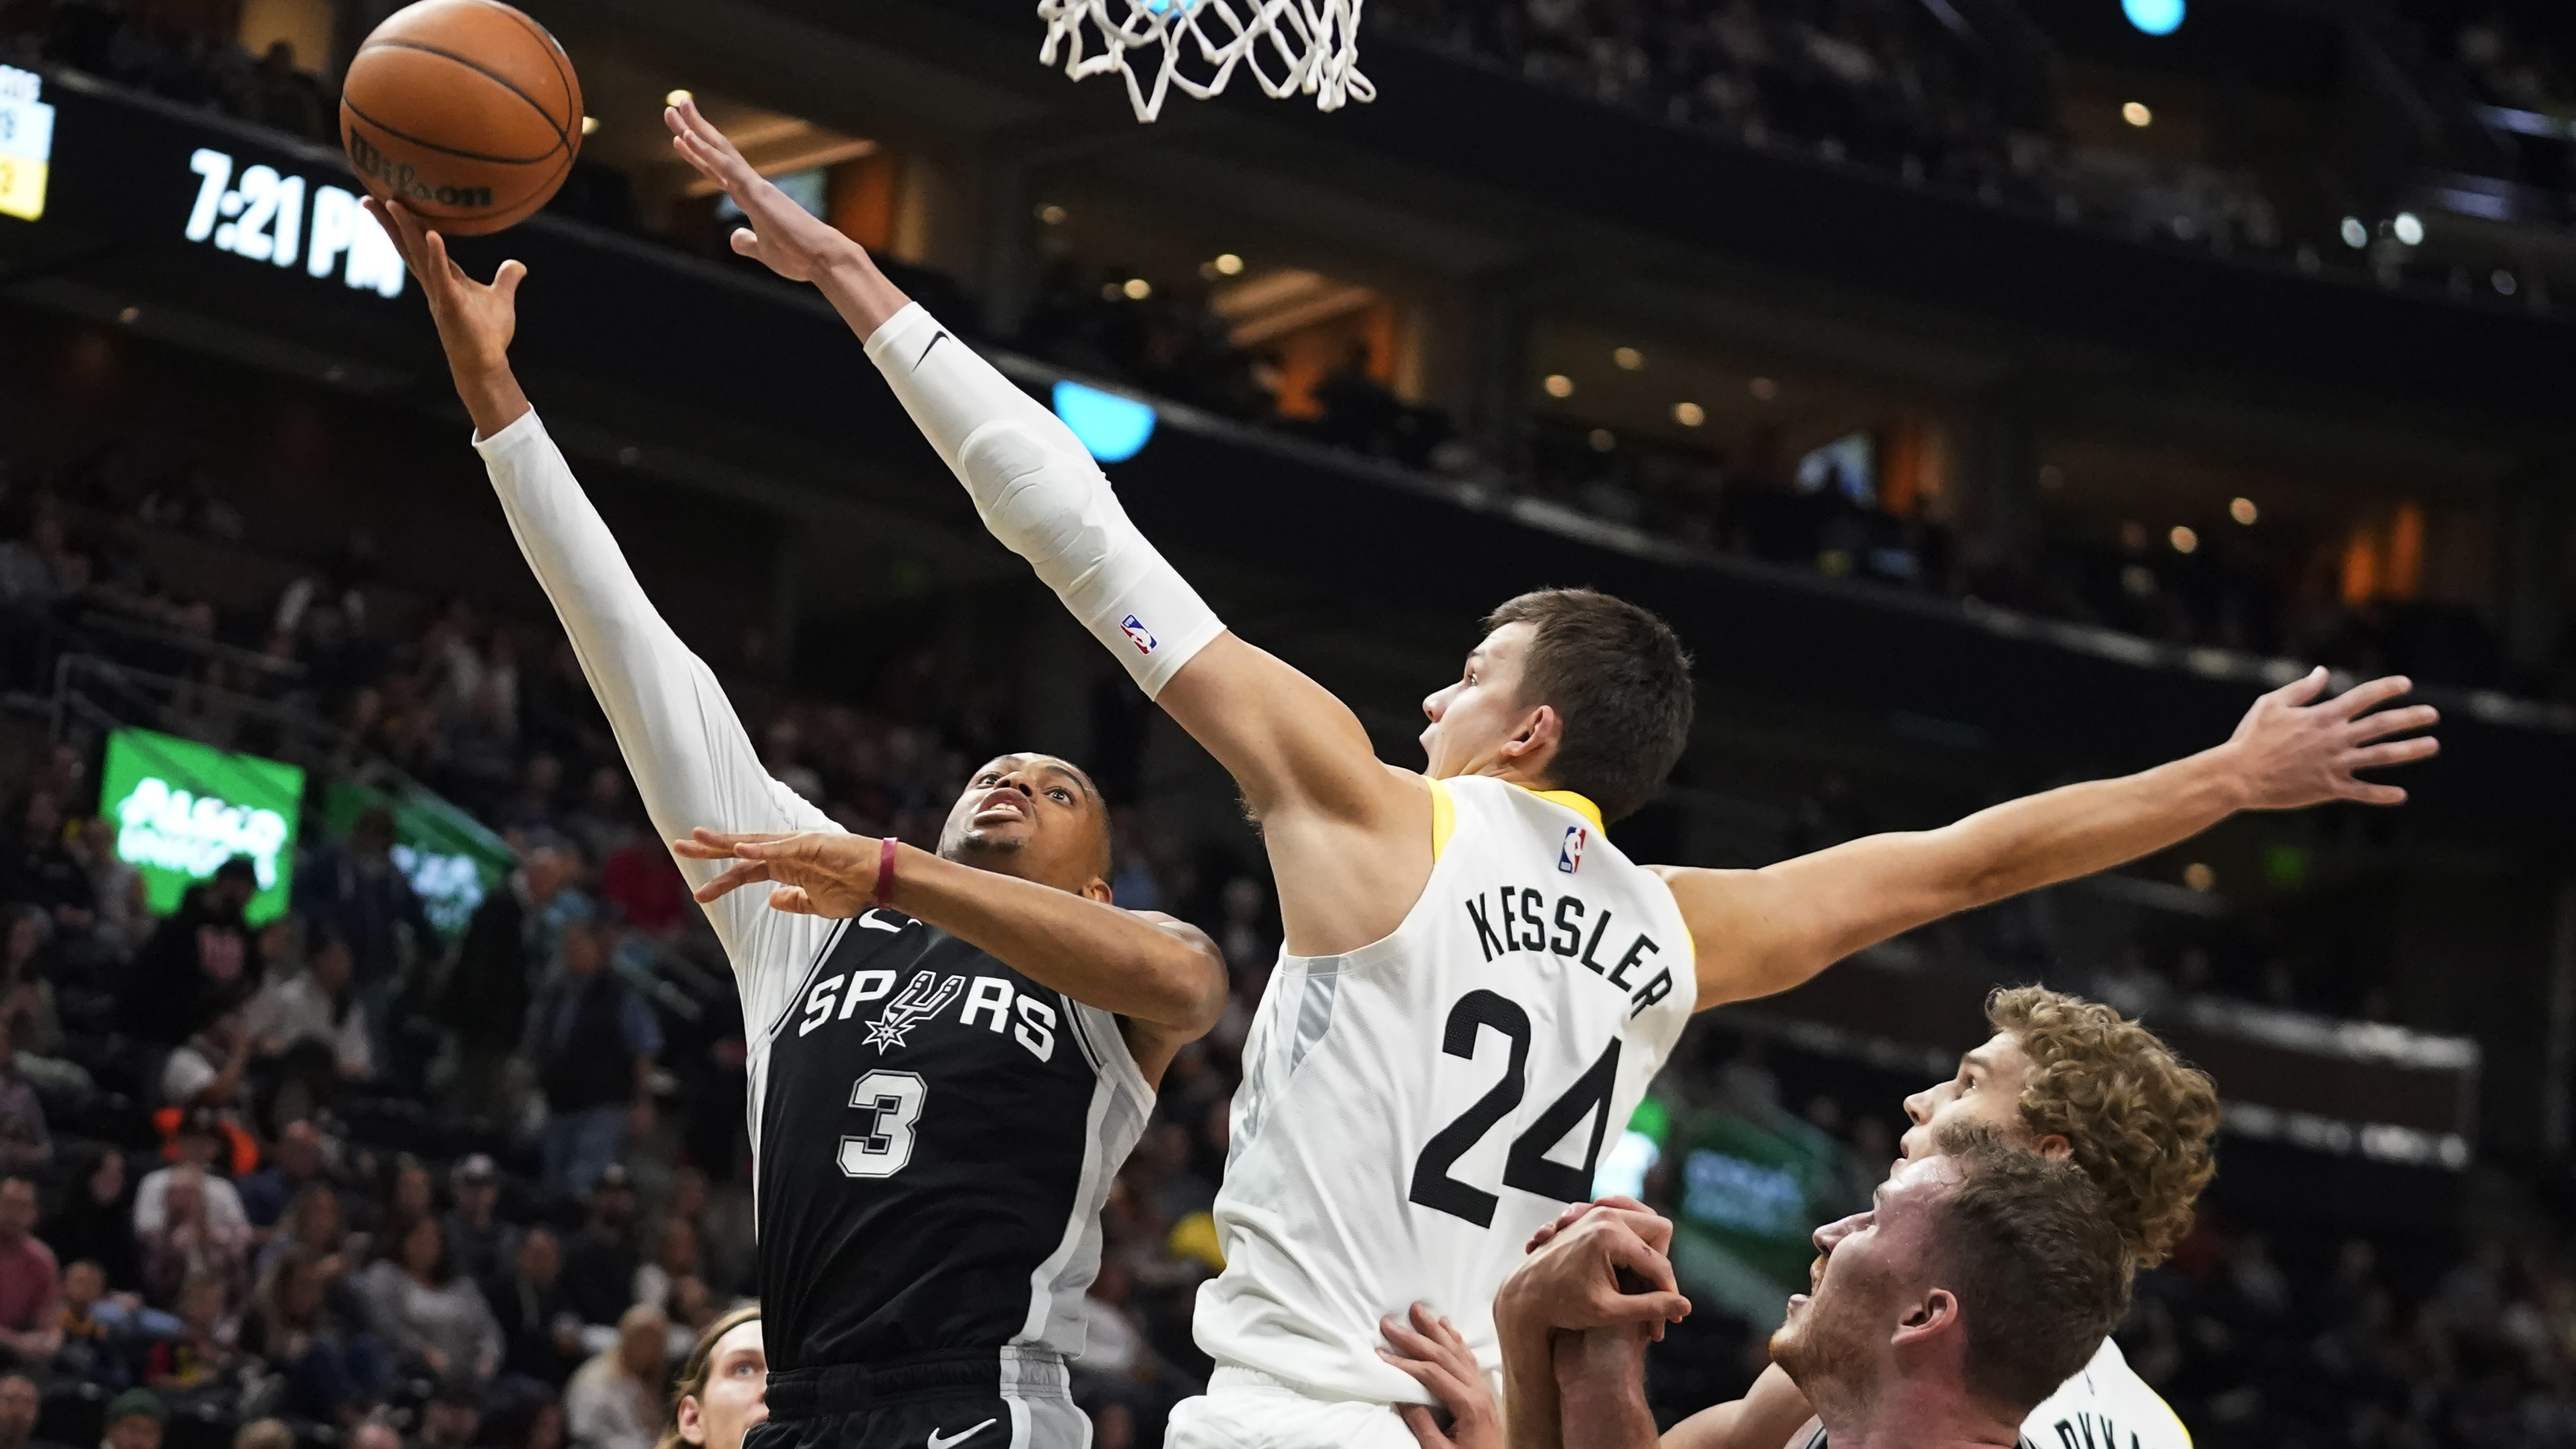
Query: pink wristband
[885, 872]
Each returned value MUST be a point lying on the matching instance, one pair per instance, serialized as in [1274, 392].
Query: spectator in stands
[538, 1324]
[614, 1401]
[451, 1417]
[134, 1420]
[600, 1262]
[30, 1283]
[330, 1367]
[294, 1165]
[372, 1433]
[314, 1222]
[593, 1040]
[116, 888]
[41, 869]
[94, 1331]
[191, 1242]
[264, 1434]
[20, 1406]
[200, 962]
[644, 883]
[428, 1313]
[481, 1243]
[283, 98]
[314, 1024]
[96, 1220]
[356, 888]
[210, 1071]
[197, 1357]
[511, 936]
[26, 997]
[529, 1419]
[24, 1141]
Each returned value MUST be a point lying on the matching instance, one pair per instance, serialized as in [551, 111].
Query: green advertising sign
[182, 808]
[448, 857]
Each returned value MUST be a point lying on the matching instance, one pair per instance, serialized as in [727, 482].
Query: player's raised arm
[1162, 974]
[1299, 754]
[692, 761]
[1764, 931]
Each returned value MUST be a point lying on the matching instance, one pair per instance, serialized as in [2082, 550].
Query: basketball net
[1312, 45]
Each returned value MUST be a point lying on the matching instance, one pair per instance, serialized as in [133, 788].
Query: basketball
[467, 111]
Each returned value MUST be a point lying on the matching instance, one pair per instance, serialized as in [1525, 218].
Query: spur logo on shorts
[922, 999]
[1138, 634]
[1569, 856]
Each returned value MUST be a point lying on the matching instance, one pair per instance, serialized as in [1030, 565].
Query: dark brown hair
[2040, 1271]
[1619, 680]
[2137, 1117]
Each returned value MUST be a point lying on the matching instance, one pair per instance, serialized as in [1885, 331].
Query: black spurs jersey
[934, 1135]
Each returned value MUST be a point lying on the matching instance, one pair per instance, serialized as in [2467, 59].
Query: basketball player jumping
[2061, 1076]
[942, 1088]
[1476, 984]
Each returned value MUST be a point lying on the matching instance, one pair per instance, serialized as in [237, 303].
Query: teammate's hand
[475, 321]
[1438, 1359]
[783, 236]
[1573, 1281]
[2293, 751]
[1547, 1231]
[814, 872]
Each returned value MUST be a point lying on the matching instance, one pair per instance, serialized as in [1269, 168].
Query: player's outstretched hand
[475, 321]
[1438, 1359]
[783, 236]
[2294, 750]
[1607, 1268]
[811, 872]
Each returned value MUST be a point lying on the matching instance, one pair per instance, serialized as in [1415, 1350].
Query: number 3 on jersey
[889, 1104]
[1528, 1167]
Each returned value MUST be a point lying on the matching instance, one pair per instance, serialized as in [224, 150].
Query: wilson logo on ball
[403, 181]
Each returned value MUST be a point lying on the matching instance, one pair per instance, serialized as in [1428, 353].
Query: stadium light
[2408, 228]
[2155, 17]
[1113, 428]
[2137, 114]
[2355, 235]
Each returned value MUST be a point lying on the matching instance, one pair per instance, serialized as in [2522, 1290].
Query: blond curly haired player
[2061, 1076]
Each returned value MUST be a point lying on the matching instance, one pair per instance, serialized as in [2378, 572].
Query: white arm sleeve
[1039, 492]
[691, 758]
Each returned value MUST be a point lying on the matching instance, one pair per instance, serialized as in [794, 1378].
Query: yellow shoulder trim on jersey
[1576, 803]
[2179, 1426]
[1444, 817]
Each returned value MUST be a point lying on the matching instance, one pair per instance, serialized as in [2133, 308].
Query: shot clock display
[26, 143]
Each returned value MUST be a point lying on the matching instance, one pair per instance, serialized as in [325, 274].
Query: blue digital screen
[1114, 428]
[2155, 17]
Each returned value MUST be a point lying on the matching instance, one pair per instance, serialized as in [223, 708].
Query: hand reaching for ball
[475, 321]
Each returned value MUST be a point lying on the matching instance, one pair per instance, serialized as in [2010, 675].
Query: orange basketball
[465, 110]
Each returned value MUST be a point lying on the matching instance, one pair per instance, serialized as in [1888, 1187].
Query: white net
[1290, 46]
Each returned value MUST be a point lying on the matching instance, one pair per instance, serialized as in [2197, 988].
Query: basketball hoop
[1314, 45]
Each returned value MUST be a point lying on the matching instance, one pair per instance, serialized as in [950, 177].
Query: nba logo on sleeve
[1569, 856]
[1138, 634]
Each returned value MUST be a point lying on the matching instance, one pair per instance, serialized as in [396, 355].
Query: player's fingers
[1621, 1201]
[1426, 1428]
[748, 873]
[793, 900]
[746, 242]
[2370, 695]
[1629, 1251]
[1614, 1309]
[2394, 722]
[1649, 1226]
[2301, 689]
[505, 282]
[2362, 793]
[1443, 1385]
[2395, 752]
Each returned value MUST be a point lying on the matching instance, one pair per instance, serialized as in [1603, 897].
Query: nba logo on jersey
[1136, 631]
[1569, 856]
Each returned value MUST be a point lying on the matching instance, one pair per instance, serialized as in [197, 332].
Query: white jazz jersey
[2107, 1406]
[1412, 1111]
